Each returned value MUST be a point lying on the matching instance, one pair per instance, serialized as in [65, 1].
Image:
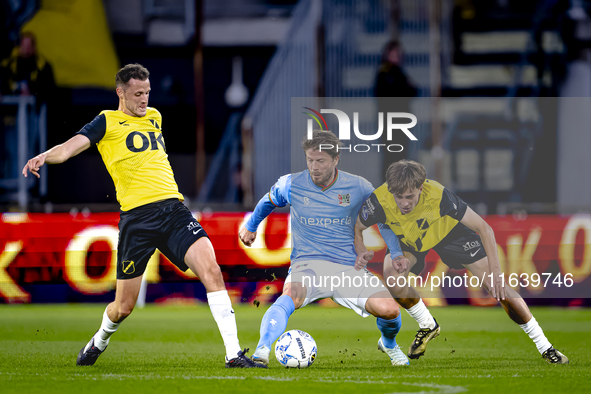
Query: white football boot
[396, 355]
[261, 355]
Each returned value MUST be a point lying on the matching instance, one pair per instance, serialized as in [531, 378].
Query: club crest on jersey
[344, 199]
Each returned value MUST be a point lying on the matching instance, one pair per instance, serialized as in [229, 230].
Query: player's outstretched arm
[364, 256]
[278, 196]
[248, 232]
[476, 223]
[57, 154]
[247, 237]
[399, 261]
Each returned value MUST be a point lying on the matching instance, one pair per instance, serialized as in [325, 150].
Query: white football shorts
[343, 283]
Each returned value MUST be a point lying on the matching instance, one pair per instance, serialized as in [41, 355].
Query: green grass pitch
[169, 349]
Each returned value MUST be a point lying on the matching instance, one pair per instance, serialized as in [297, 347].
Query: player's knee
[390, 271]
[123, 310]
[212, 271]
[385, 308]
[391, 276]
[297, 292]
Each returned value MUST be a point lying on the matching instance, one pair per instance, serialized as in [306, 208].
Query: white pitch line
[441, 388]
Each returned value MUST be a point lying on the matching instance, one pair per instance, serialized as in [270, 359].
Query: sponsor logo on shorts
[128, 267]
[193, 225]
[344, 199]
[471, 245]
[474, 254]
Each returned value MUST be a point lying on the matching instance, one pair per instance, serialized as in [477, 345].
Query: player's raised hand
[246, 236]
[400, 264]
[34, 165]
[362, 259]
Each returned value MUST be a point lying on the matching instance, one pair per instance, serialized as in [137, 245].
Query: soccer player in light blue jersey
[324, 204]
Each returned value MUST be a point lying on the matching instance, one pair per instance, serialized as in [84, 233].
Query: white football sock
[221, 309]
[533, 329]
[421, 314]
[102, 336]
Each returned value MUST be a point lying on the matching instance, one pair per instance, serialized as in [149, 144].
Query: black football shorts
[460, 247]
[167, 225]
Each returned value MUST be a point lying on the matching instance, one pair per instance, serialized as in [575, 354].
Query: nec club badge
[344, 199]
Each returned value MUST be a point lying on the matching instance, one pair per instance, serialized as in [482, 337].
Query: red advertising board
[541, 256]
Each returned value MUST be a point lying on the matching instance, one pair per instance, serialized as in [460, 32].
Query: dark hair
[321, 137]
[27, 34]
[390, 45]
[135, 71]
[405, 175]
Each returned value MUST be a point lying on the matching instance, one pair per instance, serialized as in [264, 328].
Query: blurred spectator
[26, 72]
[392, 82]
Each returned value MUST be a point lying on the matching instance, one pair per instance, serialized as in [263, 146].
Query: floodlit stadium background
[503, 121]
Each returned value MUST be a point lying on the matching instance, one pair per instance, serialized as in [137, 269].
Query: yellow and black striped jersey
[435, 215]
[134, 153]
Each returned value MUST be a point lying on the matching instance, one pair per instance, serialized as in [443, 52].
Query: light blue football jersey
[322, 220]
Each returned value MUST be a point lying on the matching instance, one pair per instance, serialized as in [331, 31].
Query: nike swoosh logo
[474, 254]
[195, 232]
[231, 311]
[122, 122]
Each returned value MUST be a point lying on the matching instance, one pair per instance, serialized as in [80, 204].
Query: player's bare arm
[476, 223]
[57, 154]
[364, 256]
[247, 237]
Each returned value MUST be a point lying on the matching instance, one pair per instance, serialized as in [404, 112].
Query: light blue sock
[274, 322]
[389, 329]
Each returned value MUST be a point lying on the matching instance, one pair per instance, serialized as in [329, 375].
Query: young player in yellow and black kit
[131, 143]
[421, 214]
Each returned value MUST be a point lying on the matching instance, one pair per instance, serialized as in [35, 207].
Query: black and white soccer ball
[295, 349]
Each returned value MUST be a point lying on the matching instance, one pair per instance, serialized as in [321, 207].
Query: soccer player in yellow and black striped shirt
[421, 214]
[131, 143]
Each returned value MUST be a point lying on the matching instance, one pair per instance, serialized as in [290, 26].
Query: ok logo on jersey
[139, 142]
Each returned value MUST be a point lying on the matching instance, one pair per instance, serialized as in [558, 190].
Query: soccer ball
[295, 349]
